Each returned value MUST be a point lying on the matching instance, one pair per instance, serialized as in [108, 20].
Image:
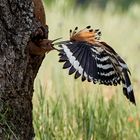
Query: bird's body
[95, 61]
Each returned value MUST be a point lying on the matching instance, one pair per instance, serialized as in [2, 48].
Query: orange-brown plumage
[87, 34]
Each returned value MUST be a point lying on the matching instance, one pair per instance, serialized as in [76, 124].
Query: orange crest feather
[89, 35]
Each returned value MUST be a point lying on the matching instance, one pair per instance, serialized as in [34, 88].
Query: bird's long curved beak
[58, 43]
[56, 39]
[61, 42]
[52, 42]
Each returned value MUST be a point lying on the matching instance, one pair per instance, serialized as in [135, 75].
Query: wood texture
[17, 69]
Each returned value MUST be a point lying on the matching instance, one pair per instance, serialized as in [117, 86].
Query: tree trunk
[18, 69]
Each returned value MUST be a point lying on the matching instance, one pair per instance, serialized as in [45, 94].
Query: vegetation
[67, 109]
[122, 5]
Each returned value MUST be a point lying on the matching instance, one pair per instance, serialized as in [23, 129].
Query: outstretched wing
[91, 62]
[97, 63]
[122, 66]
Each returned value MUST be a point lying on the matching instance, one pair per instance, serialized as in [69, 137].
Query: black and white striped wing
[124, 71]
[96, 63]
[90, 62]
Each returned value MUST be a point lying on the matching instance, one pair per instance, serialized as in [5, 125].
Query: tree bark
[18, 69]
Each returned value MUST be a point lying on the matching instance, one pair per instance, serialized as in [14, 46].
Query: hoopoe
[83, 54]
[94, 60]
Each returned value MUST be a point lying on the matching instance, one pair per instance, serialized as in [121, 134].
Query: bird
[85, 55]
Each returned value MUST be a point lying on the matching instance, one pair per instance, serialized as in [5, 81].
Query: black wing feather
[97, 64]
[71, 70]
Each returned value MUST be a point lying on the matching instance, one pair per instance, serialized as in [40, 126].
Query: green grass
[67, 109]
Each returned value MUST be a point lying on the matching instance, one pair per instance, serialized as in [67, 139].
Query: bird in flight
[86, 56]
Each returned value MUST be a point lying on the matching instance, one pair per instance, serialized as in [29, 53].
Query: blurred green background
[67, 109]
[123, 5]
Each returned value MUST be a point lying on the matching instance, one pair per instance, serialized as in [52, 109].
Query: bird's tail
[127, 88]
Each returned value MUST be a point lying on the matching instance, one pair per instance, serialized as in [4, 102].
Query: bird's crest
[87, 34]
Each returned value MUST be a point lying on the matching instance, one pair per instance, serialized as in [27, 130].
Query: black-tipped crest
[99, 33]
[87, 34]
[76, 28]
[96, 30]
[88, 27]
[91, 30]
